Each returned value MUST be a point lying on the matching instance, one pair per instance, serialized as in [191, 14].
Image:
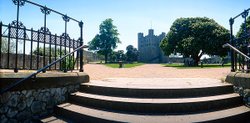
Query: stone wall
[87, 56]
[27, 61]
[24, 104]
[241, 82]
[90, 57]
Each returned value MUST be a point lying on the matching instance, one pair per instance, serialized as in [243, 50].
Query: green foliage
[68, 63]
[35, 52]
[116, 56]
[125, 65]
[182, 66]
[241, 32]
[131, 54]
[107, 39]
[194, 37]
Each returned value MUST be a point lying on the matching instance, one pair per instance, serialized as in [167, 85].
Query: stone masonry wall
[241, 82]
[26, 105]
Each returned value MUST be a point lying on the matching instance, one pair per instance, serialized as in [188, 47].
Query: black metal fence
[242, 42]
[30, 49]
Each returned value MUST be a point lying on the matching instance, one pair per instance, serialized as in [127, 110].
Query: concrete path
[100, 72]
[158, 83]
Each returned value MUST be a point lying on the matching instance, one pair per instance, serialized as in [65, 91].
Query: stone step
[143, 88]
[55, 119]
[80, 114]
[169, 106]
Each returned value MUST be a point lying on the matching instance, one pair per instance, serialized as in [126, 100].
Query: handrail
[51, 10]
[235, 49]
[40, 70]
[240, 14]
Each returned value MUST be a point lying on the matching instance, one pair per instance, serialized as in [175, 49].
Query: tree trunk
[196, 59]
[106, 58]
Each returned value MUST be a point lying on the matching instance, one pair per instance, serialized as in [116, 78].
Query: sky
[129, 16]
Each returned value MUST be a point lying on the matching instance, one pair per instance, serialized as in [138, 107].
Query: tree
[194, 37]
[4, 47]
[116, 56]
[107, 39]
[242, 27]
[132, 53]
[242, 33]
[35, 52]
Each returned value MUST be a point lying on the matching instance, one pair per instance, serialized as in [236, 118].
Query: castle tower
[148, 47]
[140, 44]
[151, 32]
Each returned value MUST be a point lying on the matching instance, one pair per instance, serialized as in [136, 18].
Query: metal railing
[236, 50]
[29, 49]
[40, 70]
[37, 56]
[240, 44]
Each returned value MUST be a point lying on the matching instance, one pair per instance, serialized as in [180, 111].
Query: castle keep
[149, 49]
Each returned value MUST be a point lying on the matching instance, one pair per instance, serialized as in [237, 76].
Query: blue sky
[130, 16]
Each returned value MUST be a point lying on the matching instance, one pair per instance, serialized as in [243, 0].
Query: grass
[126, 65]
[181, 66]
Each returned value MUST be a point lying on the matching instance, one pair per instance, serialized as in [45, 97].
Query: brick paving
[100, 72]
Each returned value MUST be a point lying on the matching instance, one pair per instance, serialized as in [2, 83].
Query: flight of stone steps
[153, 101]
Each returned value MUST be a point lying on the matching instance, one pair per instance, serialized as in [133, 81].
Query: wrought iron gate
[241, 42]
[44, 48]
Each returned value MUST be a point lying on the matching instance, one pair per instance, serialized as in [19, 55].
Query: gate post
[81, 50]
[1, 44]
[231, 21]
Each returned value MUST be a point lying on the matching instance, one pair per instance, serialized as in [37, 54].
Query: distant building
[149, 48]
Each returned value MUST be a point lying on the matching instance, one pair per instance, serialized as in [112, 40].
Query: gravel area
[100, 72]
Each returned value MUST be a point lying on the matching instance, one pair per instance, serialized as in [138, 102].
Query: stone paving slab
[99, 72]
[158, 83]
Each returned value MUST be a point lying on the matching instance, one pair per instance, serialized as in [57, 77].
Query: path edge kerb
[43, 80]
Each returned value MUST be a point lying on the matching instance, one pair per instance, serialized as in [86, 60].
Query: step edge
[155, 100]
[177, 116]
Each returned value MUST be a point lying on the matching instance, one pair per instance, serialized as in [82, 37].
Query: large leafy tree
[116, 56]
[132, 53]
[194, 37]
[242, 30]
[107, 39]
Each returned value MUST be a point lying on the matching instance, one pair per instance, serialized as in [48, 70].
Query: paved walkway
[158, 83]
[100, 72]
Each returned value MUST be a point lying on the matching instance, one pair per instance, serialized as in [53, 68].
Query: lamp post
[46, 12]
[19, 3]
[81, 43]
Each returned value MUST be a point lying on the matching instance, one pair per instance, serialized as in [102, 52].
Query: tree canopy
[194, 37]
[241, 32]
[132, 53]
[116, 56]
[107, 39]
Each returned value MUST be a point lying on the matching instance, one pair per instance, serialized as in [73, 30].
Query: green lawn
[126, 65]
[181, 66]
